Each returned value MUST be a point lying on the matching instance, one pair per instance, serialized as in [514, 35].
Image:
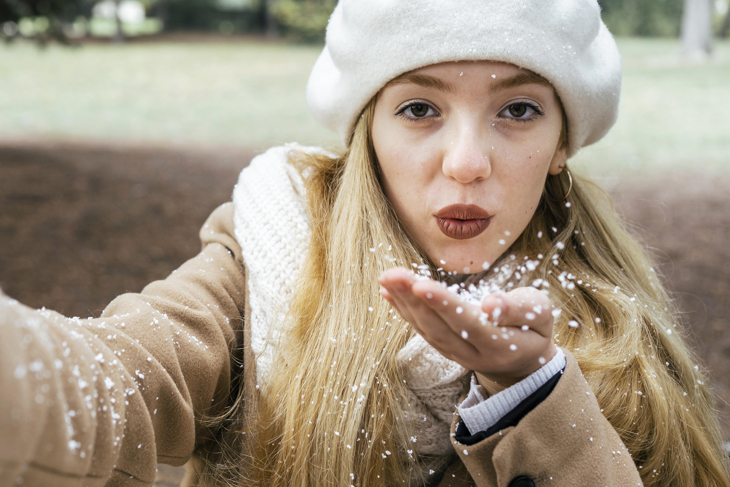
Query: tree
[697, 28]
[189, 15]
[304, 20]
[642, 17]
[59, 14]
[270, 22]
[725, 28]
[8, 13]
[119, 33]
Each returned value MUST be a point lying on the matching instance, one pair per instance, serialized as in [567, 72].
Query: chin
[460, 259]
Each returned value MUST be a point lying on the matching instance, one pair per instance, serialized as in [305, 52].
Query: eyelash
[537, 112]
[535, 108]
[401, 112]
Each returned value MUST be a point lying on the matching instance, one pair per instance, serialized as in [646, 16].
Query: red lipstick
[462, 222]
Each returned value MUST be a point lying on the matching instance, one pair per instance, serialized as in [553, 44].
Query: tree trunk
[119, 34]
[697, 28]
[272, 26]
[163, 13]
[725, 29]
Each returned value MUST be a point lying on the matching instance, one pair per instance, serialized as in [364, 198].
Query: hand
[512, 344]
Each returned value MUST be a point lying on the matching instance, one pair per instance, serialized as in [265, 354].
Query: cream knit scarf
[272, 227]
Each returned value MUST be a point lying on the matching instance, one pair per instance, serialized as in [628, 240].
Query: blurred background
[124, 123]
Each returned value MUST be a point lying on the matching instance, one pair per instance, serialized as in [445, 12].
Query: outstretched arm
[86, 402]
[556, 435]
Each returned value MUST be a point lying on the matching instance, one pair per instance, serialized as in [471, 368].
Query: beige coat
[101, 401]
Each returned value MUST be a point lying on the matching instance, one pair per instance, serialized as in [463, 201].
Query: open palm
[505, 339]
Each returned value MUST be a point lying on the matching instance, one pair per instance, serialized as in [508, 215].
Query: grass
[673, 114]
[251, 94]
[232, 94]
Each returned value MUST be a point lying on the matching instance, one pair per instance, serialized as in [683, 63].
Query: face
[464, 151]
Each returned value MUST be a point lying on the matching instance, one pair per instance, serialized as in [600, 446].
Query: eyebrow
[519, 80]
[423, 80]
[428, 81]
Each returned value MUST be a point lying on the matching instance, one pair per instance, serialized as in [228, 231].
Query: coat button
[522, 481]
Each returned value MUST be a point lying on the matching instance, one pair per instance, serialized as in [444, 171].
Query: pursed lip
[462, 222]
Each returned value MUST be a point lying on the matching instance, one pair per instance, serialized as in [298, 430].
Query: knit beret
[370, 42]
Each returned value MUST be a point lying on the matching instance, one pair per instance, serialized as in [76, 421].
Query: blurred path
[81, 224]
[685, 220]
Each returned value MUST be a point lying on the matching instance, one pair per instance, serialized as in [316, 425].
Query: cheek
[396, 172]
[405, 182]
[524, 180]
[406, 170]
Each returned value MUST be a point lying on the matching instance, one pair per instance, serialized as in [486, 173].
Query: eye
[521, 111]
[417, 111]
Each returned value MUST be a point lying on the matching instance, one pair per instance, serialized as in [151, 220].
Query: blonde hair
[335, 414]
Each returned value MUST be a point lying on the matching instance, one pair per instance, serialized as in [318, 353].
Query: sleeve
[564, 440]
[92, 402]
[480, 412]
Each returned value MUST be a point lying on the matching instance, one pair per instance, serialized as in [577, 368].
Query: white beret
[370, 42]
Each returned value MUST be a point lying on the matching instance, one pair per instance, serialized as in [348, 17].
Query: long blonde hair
[335, 412]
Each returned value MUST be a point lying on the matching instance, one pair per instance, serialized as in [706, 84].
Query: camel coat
[100, 402]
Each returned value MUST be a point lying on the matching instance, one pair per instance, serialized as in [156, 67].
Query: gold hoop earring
[570, 187]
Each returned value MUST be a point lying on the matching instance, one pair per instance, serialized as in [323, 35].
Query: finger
[410, 308]
[397, 283]
[497, 347]
[391, 282]
[400, 305]
[397, 278]
[525, 308]
[495, 307]
[433, 329]
[465, 319]
[522, 316]
[386, 295]
[418, 321]
[462, 317]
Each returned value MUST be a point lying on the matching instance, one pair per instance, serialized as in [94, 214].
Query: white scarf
[272, 228]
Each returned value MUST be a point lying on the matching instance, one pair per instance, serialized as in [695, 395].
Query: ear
[560, 159]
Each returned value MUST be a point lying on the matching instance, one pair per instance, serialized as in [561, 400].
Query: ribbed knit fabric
[272, 227]
[480, 411]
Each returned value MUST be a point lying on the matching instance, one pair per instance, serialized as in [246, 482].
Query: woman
[300, 349]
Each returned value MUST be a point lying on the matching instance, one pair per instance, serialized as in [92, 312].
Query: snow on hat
[370, 42]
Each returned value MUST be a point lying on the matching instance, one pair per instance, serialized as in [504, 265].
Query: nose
[466, 159]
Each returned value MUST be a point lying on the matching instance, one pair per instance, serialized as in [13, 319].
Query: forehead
[450, 76]
[471, 66]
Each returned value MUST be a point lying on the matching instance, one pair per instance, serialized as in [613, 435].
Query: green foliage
[187, 14]
[304, 20]
[203, 15]
[176, 15]
[53, 14]
[62, 10]
[8, 13]
[647, 18]
[723, 29]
